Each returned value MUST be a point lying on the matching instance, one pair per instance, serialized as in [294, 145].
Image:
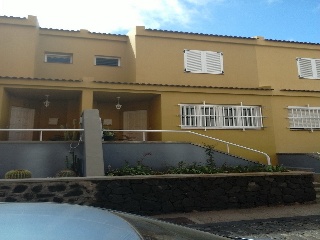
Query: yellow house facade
[260, 93]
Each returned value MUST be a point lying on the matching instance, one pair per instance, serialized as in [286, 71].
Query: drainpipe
[93, 153]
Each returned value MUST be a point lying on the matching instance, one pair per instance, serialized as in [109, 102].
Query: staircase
[317, 189]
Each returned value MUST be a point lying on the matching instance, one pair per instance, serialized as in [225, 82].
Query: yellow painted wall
[293, 141]
[4, 112]
[84, 46]
[155, 118]
[277, 65]
[64, 110]
[160, 60]
[108, 111]
[262, 140]
[155, 59]
[18, 43]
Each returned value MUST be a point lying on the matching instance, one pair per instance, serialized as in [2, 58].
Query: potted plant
[73, 167]
[108, 135]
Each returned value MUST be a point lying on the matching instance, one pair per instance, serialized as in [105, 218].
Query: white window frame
[308, 68]
[206, 116]
[209, 62]
[52, 55]
[304, 118]
[106, 57]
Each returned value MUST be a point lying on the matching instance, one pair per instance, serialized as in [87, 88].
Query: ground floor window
[204, 116]
[307, 118]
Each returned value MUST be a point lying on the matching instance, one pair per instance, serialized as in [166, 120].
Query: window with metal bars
[308, 68]
[196, 61]
[196, 116]
[307, 118]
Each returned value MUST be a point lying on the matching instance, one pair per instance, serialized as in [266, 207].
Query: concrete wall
[42, 159]
[45, 159]
[160, 155]
[310, 162]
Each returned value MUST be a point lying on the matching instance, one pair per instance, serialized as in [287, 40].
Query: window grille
[220, 116]
[58, 58]
[304, 117]
[196, 61]
[308, 68]
[107, 61]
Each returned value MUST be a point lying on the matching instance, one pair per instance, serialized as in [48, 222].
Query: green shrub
[127, 170]
[66, 173]
[194, 168]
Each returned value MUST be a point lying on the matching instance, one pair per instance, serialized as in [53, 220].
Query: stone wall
[165, 194]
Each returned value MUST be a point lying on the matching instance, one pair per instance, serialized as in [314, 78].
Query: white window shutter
[192, 61]
[304, 68]
[213, 62]
[196, 61]
[317, 66]
[308, 68]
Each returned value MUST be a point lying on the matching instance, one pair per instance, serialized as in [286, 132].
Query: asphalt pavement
[294, 222]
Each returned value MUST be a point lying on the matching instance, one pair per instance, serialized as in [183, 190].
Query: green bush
[66, 173]
[194, 168]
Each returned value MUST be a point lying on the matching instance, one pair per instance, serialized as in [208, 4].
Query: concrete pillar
[4, 113]
[87, 99]
[93, 154]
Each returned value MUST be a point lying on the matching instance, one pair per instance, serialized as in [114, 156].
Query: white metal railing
[42, 130]
[198, 134]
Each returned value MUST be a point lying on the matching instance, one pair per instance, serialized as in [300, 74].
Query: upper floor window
[58, 58]
[220, 116]
[308, 68]
[196, 61]
[107, 61]
[304, 117]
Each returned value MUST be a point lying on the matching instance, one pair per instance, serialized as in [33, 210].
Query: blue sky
[293, 20]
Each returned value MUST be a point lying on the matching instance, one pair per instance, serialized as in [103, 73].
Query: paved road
[306, 227]
[289, 228]
[293, 222]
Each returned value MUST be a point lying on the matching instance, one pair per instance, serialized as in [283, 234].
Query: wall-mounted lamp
[118, 105]
[46, 102]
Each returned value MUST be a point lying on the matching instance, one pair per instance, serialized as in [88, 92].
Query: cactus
[18, 174]
[66, 173]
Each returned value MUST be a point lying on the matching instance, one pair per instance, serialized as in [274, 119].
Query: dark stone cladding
[151, 195]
